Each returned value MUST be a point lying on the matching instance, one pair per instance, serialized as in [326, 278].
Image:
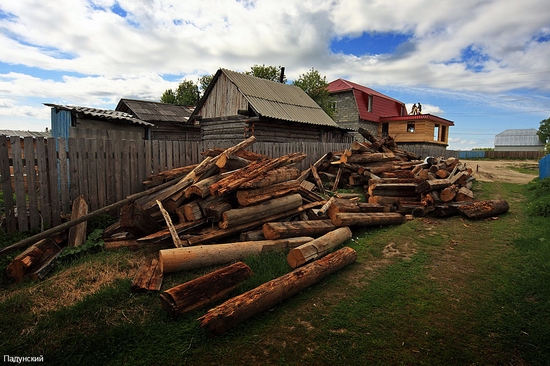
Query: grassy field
[428, 292]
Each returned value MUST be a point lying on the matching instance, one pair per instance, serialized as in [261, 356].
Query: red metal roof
[382, 105]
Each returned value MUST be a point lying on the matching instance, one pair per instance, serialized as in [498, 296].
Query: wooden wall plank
[43, 183]
[18, 176]
[126, 183]
[92, 174]
[32, 189]
[53, 180]
[101, 174]
[9, 206]
[117, 156]
[63, 176]
[109, 173]
[74, 174]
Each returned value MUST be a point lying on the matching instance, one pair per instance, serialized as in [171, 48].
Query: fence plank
[43, 182]
[109, 172]
[30, 168]
[83, 169]
[92, 174]
[118, 170]
[126, 187]
[7, 191]
[53, 180]
[74, 175]
[133, 162]
[101, 174]
[63, 176]
[18, 176]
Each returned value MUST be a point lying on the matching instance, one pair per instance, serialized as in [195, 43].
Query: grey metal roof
[280, 101]
[518, 137]
[106, 114]
[20, 133]
[155, 111]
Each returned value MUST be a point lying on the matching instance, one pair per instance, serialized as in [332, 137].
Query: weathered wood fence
[39, 178]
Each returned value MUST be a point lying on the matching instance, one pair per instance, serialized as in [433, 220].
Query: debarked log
[259, 211]
[278, 230]
[204, 290]
[241, 308]
[317, 248]
[252, 196]
[484, 209]
[367, 219]
[199, 256]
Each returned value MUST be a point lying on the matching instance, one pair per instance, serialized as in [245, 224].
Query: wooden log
[199, 256]
[201, 187]
[271, 177]
[253, 196]
[323, 210]
[37, 260]
[464, 194]
[77, 233]
[345, 205]
[367, 219]
[192, 211]
[432, 185]
[259, 211]
[204, 290]
[484, 209]
[317, 180]
[365, 158]
[240, 308]
[252, 235]
[448, 194]
[173, 233]
[135, 220]
[278, 230]
[303, 176]
[358, 147]
[317, 248]
[148, 278]
[164, 235]
[215, 233]
[168, 175]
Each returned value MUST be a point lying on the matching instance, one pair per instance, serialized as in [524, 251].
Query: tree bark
[204, 290]
[448, 194]
[278, 230]
[148, 278]
[433, 185]
[484, 209]
[259, 211]
[271, 177]
[241, 308]
[318, 248]
[199, 256]
[135, 220]
[365, 158]
[367, 219]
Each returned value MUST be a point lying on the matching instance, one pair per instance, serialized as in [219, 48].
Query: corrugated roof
[155, 111]
[20, 133]
[106, 114]
[280, 101]
[518, 137]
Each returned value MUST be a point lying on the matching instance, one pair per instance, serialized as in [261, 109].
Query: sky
[483, 64]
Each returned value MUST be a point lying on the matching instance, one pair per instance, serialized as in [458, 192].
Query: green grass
[428, 292]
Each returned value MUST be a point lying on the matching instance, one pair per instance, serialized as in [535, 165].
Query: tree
[316, 87]
[186, 94]
[204, 81]
[544, 133]
[272, 73]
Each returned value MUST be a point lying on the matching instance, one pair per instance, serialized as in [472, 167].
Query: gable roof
[361, 95]
[103, 114]
[154, 111]
[270, 99]
[21, 133]
[518, 137]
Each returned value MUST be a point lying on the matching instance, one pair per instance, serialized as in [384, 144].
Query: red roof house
[359, 106]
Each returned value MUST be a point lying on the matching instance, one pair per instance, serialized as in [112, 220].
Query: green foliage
[544, 130]
[187, 94]
[539, 202]
[272, 73]
[315, 86]
[93, 242]
[483, 149]
[204, 81]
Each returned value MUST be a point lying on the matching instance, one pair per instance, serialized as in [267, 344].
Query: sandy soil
[499, 170]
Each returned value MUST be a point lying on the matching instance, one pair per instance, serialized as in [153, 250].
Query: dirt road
[499, 170]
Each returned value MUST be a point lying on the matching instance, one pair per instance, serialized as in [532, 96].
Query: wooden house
[236, 106]
[171, 122]
[83, 122]
[358, 106]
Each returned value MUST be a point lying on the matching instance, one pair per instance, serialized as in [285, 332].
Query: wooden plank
[63, 175]
[169, 156]
[43, 189]
[135, 184]
[53, 180]
[162, 155]
[126, 177]
[110, 185]
[19, 179]
[74, 174]
[156, 157]
[148, 158]
[83, 168]
[148, 278]
[176, 154]
[30, 169]
[141, 164]
[101, 174]
[11, 225]
[118, 170]
[92, 174]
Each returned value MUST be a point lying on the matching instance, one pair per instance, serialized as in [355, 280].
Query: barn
[518, 140]
[236, 106]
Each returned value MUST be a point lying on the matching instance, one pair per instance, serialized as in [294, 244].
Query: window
[369, 103]
[410, 127]
[436, 132]
[444, 133]
[385, 129]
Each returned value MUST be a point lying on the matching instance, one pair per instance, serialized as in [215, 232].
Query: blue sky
[482, 64]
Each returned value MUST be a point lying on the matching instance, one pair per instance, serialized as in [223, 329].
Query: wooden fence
[39, 178]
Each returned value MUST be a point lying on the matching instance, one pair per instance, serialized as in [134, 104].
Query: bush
[539, 198]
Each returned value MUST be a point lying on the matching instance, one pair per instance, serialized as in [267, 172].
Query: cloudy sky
[484, 64]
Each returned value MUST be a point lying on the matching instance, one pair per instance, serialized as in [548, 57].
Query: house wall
[519, 148]
[89, 128]
[423, 132]
[347, 116]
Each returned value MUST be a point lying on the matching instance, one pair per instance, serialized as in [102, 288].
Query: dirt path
[499, 170]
